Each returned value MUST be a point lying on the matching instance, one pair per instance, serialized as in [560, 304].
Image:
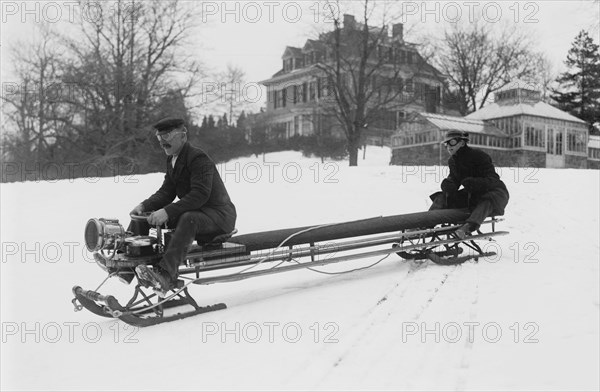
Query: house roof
[447, 123]
[539, 109]
[313, 44]
[282, 75]
[291, 51]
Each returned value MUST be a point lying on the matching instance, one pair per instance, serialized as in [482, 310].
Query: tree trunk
[353, 145]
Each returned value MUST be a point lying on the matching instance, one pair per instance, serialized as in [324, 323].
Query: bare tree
[130, 65]
[478, 62]
[89, 95]
[545, 76]
[368, 73]
[231, 90]
[34, 106]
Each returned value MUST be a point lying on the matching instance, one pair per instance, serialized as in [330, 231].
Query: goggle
[452, 142]
[167, 137]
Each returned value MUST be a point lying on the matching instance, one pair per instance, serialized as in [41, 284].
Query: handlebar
[141, 217]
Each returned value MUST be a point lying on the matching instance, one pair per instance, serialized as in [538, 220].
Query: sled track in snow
[408, 299]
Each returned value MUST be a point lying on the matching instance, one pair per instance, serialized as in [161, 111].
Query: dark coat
[474, 169]
[199, 187]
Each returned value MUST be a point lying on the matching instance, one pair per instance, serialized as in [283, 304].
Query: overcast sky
[254, 34]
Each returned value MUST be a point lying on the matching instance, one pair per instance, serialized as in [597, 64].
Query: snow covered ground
[525, 320]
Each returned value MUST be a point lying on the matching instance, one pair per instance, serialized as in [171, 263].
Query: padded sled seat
[274, 238]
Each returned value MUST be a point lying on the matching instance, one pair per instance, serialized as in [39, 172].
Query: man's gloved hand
[137, 210]
[448, 186]
[159, 217]
[472, 184]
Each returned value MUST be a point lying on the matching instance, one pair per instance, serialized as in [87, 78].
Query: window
[304, 91]
[559, 143]
[288, 64]
[309, 58]
[386, 53]
[415, 138]
[312, 91]
[323, 87]
[419, 91]
[576, 140]
[517, 142]
[534, 137]
[297, 120]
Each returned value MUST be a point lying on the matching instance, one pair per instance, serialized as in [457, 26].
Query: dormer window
[288, 64]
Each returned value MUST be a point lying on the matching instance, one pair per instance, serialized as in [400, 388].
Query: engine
[109, 235]
[104, 234]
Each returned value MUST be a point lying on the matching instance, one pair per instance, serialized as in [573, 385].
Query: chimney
[397, 32]
[349, 21]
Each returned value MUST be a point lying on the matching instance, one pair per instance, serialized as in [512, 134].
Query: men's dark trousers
[461, 199]
[190, 225]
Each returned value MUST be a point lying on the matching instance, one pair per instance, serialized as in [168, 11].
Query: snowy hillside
[525, 320]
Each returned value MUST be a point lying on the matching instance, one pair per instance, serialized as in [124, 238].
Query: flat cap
[168, 124]
[456, 135]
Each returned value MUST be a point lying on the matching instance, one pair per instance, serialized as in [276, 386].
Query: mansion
[297, 94]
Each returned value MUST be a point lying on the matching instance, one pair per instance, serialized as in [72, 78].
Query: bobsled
[423, 237]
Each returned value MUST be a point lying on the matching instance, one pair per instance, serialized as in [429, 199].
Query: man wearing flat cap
[483, 192]
[203, 211]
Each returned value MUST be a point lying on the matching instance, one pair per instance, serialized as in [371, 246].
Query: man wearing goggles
[482, 192]
[203, 211]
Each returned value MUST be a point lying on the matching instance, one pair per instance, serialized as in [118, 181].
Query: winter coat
[473, 169]
[199, 187]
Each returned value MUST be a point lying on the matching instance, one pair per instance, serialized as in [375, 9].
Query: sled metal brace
[333, 247]
[287, 254]
[273, 270]
[321, 249]
[111, 307]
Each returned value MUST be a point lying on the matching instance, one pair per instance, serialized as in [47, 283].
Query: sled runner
[419, 237]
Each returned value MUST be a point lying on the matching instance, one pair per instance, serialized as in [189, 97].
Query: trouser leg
[439, 201]
[139, 227]
[442, 200]
[190, 225]
[479, 213]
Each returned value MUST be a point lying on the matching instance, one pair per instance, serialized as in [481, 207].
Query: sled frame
[146, 308]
